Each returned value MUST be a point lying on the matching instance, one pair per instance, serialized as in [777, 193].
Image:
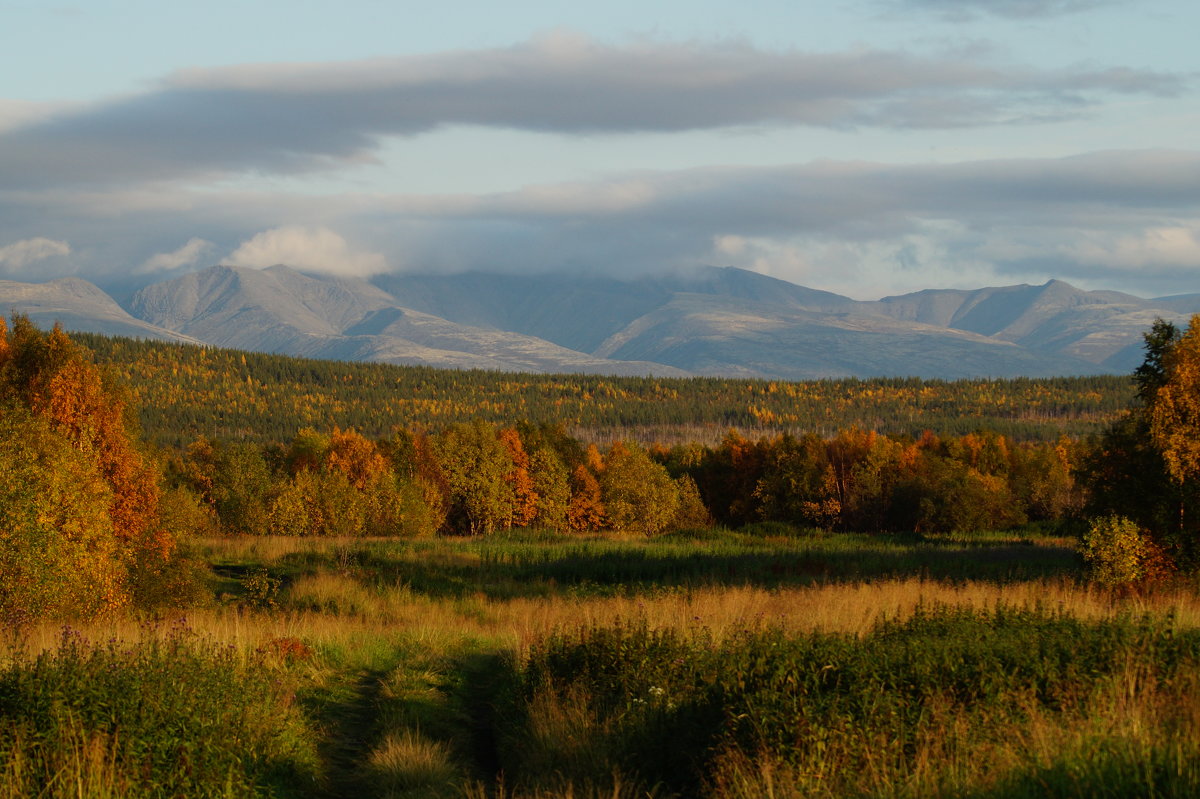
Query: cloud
[859, 200]
[19, 113]
[294, 118]
[186, 255]
[22, 253]
[851, 226]
[1144, 259]
[1118, 219]
[318, 249]
[965, 10]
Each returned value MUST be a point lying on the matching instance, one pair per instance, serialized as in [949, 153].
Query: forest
[294, 578]
[184, 392]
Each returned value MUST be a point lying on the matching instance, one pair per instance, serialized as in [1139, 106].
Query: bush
[1116, 551]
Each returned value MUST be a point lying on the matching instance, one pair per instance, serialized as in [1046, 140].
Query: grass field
[714, 664]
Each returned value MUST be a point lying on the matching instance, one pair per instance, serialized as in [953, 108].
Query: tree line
[474, 478]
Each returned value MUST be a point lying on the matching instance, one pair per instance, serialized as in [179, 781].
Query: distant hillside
[78, 305]
[281, 310]
[187, 391]
[707, 322]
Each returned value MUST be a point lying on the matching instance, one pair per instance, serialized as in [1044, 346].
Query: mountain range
[713, 321]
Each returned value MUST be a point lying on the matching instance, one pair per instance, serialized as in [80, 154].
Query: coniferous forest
[184, 392]
[302, 578]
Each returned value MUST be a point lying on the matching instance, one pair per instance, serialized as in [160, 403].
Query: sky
[870, 147]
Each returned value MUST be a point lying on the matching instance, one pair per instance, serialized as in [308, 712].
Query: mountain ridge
[718, 321]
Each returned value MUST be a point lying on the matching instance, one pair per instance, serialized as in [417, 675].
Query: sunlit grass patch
[408, 764]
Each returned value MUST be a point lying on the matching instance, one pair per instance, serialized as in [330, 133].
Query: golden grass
[339, 612]
[85, 768]
[342, 611]
[408, 764]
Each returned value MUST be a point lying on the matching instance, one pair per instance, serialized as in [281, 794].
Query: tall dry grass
[342, 610]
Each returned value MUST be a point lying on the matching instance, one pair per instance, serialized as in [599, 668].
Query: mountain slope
[581, 311]
[77, 305]
[715, 336]
[1098, 327]
[282, 310]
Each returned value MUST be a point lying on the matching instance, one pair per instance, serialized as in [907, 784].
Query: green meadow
[764, 662]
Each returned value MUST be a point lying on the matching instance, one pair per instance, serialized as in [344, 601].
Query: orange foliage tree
[525, 502]
[586, 510]
[356, 457]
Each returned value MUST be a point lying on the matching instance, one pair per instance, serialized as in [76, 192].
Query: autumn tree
[475, 464]
[692, 513]
[59, 554]
[423, 482]
[1175, 407]
[50, 388]
[639, 495]
[552, 485]
[356, 457]
[1174, 415]
[525, 497]
[57, 381]
[586, 509]
[1146, 466]
[796, 483]
[729, 477]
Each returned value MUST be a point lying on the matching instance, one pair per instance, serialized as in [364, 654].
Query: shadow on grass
[346, 713]
[523, 570]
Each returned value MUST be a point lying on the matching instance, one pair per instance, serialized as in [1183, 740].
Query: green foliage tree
[552, 485]
[638, 493]
[475, 464]
[242, 485]
[1151, 374]
[307, 450]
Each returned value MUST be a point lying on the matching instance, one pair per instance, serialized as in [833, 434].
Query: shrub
[1116, 551]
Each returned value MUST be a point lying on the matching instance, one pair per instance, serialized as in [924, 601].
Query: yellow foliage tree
[58, 552]
[586, 509]
[356, 457]
[1175, 411]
